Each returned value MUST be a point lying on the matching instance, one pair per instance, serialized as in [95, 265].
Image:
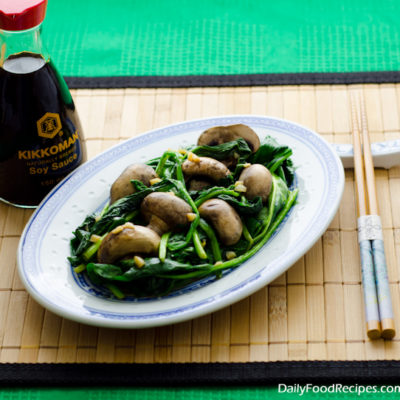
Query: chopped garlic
[218, 263]
[117, 230]
[230, 255]
[238, 183]
[94, 238]
[191, 216]
[193, 157]
[129, 225]
[247, 165]
[240, 188]
[182, 151]
[139, 262]
[154, 181]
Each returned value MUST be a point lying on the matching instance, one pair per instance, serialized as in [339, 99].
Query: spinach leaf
[82, 241]
[274, 156]
[127, 204]
[153, 267]
[278, 196]
[224, 150]
[255, 223]
[242, 205]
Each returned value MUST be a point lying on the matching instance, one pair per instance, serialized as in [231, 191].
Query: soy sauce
[40, 132]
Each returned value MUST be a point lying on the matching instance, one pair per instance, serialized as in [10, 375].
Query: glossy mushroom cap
[224, 219]
[127, 239]
[123, 187]
[222, 134]
[205, 167]
[258, 181]
[164, 211]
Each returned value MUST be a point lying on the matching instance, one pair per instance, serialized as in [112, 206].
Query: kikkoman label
[49, 125]
[48, 151]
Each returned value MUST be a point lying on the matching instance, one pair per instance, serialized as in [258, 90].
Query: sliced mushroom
[165, 211]
[205, 167]
[222, 134]
[224, 219]
[258, 180]
[123, 187]
[126, 239]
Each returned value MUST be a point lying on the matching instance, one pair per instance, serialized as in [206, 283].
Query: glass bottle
[40, 133]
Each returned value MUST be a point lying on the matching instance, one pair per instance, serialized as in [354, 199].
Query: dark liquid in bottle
[40, 133]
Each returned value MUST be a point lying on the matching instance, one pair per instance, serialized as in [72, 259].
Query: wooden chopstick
[367, 264]
[378, 251]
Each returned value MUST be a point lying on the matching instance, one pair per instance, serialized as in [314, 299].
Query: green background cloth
[213, 37]
[179, 394]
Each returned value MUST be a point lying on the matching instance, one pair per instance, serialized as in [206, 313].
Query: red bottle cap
[18, 15]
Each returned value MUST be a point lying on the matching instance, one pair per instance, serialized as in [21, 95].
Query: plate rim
[93, 319]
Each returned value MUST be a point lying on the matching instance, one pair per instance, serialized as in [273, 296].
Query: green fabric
[182, 37]
[178, 394]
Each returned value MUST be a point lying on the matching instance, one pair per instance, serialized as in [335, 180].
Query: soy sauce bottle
[40, 133]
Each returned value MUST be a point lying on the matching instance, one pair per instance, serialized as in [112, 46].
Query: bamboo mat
[312, 312]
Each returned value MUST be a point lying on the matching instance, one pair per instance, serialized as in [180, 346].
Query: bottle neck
[15, 42]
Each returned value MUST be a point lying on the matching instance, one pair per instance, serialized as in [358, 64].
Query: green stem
[197, 245]
[184, 193]
[91, 251]
[161, 163]
[215, 193]
[179, 173]
[104, 210]
[80, 268]
[280, 161]
[239, 260]
[115, 291]
[213, 239]
[247, 235]
[271, 202]
[162, 252]
[131, 215]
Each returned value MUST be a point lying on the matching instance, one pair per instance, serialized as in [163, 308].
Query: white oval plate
[44, 245]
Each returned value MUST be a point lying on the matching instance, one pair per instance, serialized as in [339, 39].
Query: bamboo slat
[314, 311]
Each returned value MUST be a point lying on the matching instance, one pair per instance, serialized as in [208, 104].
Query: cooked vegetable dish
[188, 214]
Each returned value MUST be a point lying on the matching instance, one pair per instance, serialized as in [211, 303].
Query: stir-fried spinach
[195, 253]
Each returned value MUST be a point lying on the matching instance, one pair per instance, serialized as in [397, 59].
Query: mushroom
[127, 239]
[164, 211]
[224, 219]
[123, 187]
[222, 134]
[199, 184]
[258, 181]
[205, 167]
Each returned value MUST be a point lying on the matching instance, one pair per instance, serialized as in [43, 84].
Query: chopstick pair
[377, 299]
